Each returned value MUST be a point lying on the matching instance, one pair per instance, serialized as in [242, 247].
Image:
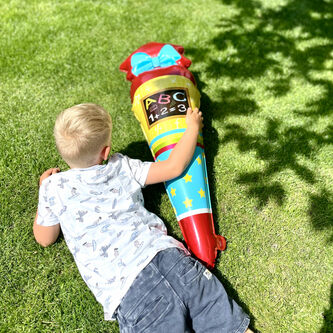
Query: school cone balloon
[161, 92]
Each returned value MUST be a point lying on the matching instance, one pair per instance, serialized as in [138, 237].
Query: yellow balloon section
[168, 88]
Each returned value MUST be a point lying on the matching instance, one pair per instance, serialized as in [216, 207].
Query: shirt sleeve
[138, 169]
[48, 205]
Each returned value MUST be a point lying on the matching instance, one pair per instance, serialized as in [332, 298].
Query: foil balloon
[162, 89]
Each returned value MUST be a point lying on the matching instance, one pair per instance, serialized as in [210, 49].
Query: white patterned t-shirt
[105, 225]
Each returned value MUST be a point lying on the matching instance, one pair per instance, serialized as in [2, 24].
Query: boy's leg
[151, 305]
[210, 308]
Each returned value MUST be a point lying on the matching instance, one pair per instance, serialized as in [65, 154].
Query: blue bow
[143, 62]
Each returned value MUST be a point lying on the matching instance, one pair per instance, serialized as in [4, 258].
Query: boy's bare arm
[181, 155]
[46, 236]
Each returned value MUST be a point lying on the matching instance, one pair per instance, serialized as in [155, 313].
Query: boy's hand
[181, 154]
[47, 174]
[194, 119]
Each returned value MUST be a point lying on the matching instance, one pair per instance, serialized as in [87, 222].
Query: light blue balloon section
[189, 193]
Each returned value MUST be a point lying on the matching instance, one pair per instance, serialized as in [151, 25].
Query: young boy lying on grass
[142, 277]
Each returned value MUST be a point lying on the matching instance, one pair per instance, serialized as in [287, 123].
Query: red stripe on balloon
[162, 150]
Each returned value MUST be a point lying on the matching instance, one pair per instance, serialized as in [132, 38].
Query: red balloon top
[153, 60]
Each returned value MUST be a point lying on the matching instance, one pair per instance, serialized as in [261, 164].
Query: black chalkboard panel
[165, 103]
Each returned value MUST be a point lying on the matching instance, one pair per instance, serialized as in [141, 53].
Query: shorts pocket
[189, 270]
[147, 312]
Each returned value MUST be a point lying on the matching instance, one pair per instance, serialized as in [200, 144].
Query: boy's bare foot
[249, 331]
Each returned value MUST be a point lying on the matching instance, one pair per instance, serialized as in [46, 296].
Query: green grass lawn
[265, 72]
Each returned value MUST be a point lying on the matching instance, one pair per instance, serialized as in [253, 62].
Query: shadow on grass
[256, 38]
[321, 211]
[288, 42]
[321, 215]
[328, 317]
[281, 149]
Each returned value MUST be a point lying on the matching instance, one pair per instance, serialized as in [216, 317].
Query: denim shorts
[175, 293]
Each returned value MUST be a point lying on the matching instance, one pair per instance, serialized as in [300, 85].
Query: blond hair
[81, 132]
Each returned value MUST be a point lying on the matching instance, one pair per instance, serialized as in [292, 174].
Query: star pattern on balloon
[190, 192]
[188, 202]
[202, 193]
[188, 178]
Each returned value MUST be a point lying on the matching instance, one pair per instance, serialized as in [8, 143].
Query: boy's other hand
[194, 119]
[47, 174]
